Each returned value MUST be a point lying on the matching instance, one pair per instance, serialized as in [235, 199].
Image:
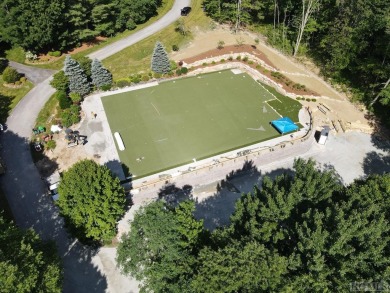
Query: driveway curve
[26, 192]
[34, 74]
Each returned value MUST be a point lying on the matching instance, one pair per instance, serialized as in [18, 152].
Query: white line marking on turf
[160, 140]
[156, 109]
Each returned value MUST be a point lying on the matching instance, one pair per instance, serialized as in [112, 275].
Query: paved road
[163, 22]
[26, 191]
[34, 74]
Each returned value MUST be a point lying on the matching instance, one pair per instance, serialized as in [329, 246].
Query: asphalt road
[163, 22]
[26, 192]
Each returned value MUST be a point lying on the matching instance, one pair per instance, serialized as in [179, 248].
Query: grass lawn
[10, 97]
[195, 117]
[136, 58]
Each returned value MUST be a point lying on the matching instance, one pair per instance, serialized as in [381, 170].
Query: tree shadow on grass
[33, 208]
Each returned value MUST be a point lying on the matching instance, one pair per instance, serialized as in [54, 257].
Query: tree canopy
[78, 80]
[27, 264]
[349, 40]
[296, 233]
[38, 25]
[100, 76]
[91, 200]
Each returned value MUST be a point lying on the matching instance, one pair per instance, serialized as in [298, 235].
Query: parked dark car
[185, 11]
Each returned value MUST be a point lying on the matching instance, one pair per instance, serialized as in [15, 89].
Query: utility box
[53, 181]
[324, 135]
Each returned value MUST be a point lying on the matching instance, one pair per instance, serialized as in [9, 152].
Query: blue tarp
[284, 125]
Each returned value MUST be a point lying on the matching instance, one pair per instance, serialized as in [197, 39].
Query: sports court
[171, 124]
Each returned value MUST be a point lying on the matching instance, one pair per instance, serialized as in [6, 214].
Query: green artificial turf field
[170, 124]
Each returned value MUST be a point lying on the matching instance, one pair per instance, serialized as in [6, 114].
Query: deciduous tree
[27, 264]
[158, 248]
[91, 200]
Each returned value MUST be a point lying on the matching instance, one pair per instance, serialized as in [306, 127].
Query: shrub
[213, 62]
[314, 100]
[23, 79]
[60, 81]
[308, 99]
[170, 73]
[298, 98]
[184, 70]
[250, 62]
[145, 78]
[175, 48]
[178, 72]
[10, 75]
[18, 82]
[222, 60]
[258, 66]
[106, 87]
[122, 82]
[54, 53]
[51, 145]
[173, 65]
[63, 100]
[30, 56]
[135, 79]
[257, 41]
[277, 74]
[157, 75]
[245, 59]
[75, 97]
[71, 116]
[220, 44]
[230, 58]
[204, 64]
[150, 73]
[238, 58]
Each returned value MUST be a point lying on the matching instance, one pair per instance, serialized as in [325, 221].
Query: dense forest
[38, 25]
[349, 40]
[297, 233]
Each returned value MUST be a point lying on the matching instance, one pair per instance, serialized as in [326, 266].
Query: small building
[324, 135]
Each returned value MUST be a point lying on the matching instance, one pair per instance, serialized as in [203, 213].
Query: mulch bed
[281, 79]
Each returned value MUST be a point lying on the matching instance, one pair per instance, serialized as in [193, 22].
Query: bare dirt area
[338, 107]
[45, 58]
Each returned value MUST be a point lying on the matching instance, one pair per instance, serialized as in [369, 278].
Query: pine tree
[78, 81]
[160, 60]
[100, 75]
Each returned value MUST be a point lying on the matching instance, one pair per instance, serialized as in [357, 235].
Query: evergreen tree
[160, 60]
[100, 75]
[78, 81]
